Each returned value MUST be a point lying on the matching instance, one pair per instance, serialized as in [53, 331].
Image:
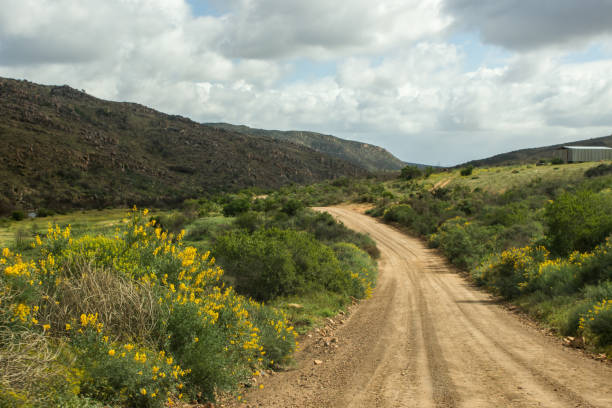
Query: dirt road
[428, 339]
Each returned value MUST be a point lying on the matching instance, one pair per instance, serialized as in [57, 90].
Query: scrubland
[136, 311]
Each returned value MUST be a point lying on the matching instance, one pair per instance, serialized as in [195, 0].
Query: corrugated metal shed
[573, 154]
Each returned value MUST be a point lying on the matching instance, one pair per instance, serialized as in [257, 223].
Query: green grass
[315, 305]
[493, 223]
[500, 179]
[91, 221]
[315, 308]
[201, 232]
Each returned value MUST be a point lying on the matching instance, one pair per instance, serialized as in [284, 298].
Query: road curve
[428, 339]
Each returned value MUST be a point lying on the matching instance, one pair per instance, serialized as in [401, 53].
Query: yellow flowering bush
[596, 324]
[20, 289]
[188, 334]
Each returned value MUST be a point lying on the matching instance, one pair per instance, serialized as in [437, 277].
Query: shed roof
[586, 147]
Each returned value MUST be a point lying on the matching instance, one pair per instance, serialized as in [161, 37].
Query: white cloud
[527, 25]
[397, 81]
[268, 29]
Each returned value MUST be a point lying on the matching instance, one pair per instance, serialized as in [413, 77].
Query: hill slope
[370, 157]
[534, 154]
[62, 148]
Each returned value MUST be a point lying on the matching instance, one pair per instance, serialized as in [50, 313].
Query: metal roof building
[573, 154]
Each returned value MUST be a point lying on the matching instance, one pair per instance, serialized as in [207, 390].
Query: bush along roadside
[540, 246]
[288, 255]
[274, 249]
[136, 319]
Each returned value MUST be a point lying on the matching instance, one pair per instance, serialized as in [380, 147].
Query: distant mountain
[533, 155]
[370, 157]
[62, 148]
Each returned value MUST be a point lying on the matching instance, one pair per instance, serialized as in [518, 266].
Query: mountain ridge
[535, 154]
[371, 157]
[62, 148]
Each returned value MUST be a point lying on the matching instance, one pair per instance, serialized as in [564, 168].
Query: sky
[437, 82]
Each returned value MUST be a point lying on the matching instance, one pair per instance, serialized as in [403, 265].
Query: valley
[409, 285]
[428, 338]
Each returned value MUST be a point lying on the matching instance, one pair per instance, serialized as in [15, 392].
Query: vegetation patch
[543, 243]
[136, 319]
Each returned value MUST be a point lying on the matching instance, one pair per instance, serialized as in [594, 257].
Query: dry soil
[427, 338]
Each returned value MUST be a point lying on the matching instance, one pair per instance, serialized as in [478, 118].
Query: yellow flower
[46, 327]
[143, 391]
[68, 326]
[111, 352]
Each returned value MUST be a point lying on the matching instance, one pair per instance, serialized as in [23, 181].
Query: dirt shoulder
[429, 339]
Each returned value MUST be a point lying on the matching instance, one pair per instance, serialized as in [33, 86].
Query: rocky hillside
[533, 155]
[370, 157]
[62, 148]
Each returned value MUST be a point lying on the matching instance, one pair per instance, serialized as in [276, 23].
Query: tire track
[427, 339]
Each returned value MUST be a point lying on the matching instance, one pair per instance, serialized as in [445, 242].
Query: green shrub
[292, 206]
[521, 235]
[428, 171]
[401, 213]
[463, 242]
[595, 267]
[410, 172]
[136, 316]
[273, 333]
[507, 215]
[273, 262]
[570, 326]
[556, 278]
[18, 215]
[206, 207]
[598, 292]
[557, 161]
[249, 220]
[377, 211]
[596, 323]
[600, 170]
[22, 239]
[44, 212]
[197, 232]
[467, 171]
[121, 373]
[236, 206]
[326, 229]
[174, 222]
[202, 348]
[578, 222]
[357, 262]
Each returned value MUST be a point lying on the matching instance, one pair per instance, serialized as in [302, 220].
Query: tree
[467, 171]
[410, 172]
[578, 222]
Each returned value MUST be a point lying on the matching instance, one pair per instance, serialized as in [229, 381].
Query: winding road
[428, 339]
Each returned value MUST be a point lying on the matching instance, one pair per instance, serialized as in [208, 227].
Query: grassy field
[500, 179]
[118, 297]
[539, 236]
[92, 221]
